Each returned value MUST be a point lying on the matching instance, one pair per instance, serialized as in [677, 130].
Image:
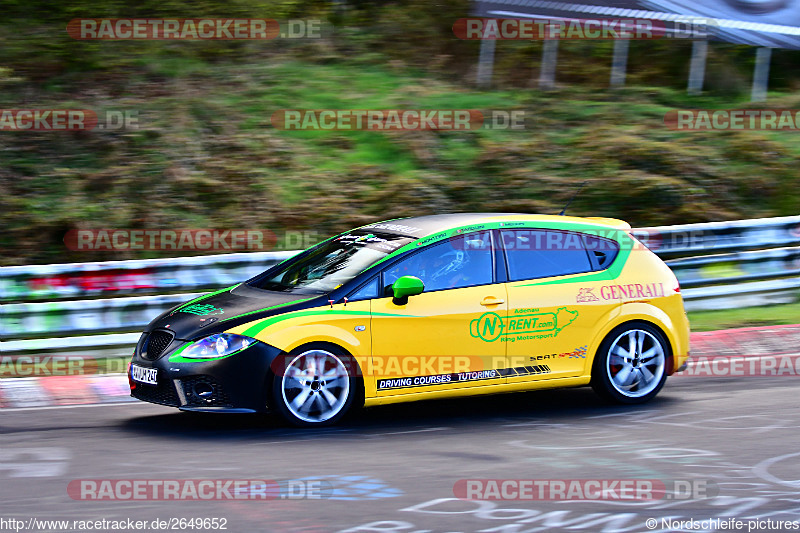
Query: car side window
[464, 261]
[365, 292]
[535, 253]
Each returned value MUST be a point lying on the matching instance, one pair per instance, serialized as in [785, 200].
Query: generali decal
[632, 291]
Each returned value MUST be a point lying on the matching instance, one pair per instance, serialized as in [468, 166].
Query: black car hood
[207, 315]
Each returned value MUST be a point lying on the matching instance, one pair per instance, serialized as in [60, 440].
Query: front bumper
[234, 384]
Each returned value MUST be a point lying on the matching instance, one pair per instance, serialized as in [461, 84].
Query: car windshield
[332, 263]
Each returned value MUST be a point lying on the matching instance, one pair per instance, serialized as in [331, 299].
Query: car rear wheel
[631, 363]
[315, 387]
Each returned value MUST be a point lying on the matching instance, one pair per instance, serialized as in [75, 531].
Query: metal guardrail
[114, 278]
[743, 295]
[79, 317]
[715, 237]
[722, 265]
[757, 273]
[741, 267]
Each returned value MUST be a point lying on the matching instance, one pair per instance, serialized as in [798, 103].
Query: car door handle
[491, 300]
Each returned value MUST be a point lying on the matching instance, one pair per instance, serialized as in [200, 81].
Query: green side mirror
[406, 286]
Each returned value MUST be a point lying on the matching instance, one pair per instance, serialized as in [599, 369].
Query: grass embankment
[205, 155]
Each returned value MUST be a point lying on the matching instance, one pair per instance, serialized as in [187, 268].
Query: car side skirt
[474, 391]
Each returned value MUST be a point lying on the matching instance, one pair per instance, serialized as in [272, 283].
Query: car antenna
[561, 214]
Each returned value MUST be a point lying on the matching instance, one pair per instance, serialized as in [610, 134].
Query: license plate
[144, 375]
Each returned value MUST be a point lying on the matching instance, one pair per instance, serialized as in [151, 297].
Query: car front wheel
[630, 365]
[314, 387]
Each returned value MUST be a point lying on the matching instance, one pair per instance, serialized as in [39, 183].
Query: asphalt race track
[734, 441]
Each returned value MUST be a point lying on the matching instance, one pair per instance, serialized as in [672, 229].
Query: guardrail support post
[697, 69]
[547, 71]
[620, 62]
[486, 63]
[761, 75]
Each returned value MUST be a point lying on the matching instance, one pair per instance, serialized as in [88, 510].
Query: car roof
[424, 226]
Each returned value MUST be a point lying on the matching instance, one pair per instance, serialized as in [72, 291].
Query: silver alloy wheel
[315, 386]
[635, 363]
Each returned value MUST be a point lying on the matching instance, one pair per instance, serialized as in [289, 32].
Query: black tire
[621, 378]
[317, 400]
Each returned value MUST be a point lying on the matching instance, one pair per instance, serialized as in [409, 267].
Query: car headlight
[217, 345]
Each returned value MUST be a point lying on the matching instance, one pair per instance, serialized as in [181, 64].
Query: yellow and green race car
[427, 307]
